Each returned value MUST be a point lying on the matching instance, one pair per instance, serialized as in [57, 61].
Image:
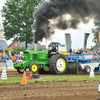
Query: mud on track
[50, 91]
[82, 90]
[16, 74]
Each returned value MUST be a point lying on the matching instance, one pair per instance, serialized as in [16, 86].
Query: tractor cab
[52, 49]
[55, 48]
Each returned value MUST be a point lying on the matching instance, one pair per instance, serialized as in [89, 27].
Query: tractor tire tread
[52, 64]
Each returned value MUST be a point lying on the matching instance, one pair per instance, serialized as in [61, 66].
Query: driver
[53, 49]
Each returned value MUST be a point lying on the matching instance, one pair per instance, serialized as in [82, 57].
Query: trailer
[83, 62]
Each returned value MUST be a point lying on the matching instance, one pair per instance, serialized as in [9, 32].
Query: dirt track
[16, 74]
[49, 90]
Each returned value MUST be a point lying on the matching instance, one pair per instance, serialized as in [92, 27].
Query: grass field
[50, 79]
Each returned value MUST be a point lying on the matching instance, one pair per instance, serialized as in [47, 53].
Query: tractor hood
[35, 52]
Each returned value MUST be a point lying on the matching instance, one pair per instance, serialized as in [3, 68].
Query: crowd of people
[4, 57]
[95, 52]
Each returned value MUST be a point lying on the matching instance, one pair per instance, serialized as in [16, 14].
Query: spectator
[14, 58]
[86, 51]
[17, 57]
[70, 51]
[21, 57]
[91, 52]
[96, 56]
[94, 52]
[9, 57]
[81, 50]
[97, 50]
[78, 52]
[5, 57]
[1, 57]
[74, 51]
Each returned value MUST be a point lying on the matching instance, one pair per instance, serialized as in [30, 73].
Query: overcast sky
[77, 36]
[1, 4]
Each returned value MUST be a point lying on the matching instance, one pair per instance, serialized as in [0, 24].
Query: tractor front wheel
[58, 64]
[33, 67]
[19, 70]
[87, 69]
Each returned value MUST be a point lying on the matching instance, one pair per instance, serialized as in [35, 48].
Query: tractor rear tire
[87, 69]
[58, 64]
[20, 71]
[33, 67]
[42, 71]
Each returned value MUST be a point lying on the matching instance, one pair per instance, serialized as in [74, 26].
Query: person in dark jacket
[81, 50]
[70, 51]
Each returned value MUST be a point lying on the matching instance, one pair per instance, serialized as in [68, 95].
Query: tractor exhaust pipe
[46, 38]
[35, 46]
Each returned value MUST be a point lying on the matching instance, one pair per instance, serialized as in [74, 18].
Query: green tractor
[43, 61]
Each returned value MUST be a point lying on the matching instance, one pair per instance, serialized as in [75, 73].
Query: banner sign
[9, 64]
[61, 48]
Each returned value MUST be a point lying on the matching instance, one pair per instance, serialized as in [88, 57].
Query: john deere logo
[59, 60]
[25, 56]
[41, 57]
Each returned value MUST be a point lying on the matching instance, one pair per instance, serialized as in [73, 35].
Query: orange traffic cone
[24, 78]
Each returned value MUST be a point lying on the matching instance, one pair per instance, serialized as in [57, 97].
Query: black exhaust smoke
[52, 14]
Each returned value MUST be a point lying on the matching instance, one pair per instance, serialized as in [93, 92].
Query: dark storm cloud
[79, 10]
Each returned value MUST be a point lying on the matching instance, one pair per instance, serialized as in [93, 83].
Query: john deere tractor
[43, 61]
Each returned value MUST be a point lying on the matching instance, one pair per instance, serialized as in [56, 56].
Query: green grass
[50, 79]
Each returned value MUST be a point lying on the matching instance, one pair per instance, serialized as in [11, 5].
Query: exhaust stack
[46, 38]
[35, 46]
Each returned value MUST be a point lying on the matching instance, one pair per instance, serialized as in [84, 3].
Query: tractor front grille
[34, 56]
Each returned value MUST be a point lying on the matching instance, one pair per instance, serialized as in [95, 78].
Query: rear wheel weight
[87, 69]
